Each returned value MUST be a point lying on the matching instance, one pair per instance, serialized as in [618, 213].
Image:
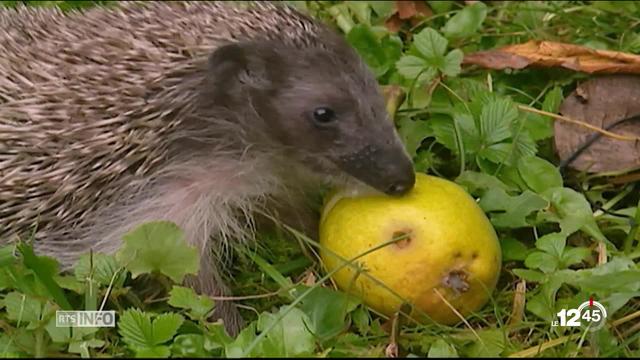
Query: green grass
[461, 123]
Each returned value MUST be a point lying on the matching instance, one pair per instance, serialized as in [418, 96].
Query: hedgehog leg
[209, 282]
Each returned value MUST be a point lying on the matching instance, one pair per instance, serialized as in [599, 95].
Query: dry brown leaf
[601, 101]
[411, 11]
[554, 54]
[394, 23]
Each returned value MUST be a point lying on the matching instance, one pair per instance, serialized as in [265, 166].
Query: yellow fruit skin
[450, 234]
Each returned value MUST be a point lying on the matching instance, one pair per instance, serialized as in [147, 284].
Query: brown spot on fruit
[474, 255]
[402, 238]
[457, 254]
[457, 281]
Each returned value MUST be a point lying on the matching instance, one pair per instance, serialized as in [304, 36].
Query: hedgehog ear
[239, 63]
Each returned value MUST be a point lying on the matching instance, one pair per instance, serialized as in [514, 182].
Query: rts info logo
[590, 315]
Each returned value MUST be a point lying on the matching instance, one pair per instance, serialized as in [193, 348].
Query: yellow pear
[446, 252]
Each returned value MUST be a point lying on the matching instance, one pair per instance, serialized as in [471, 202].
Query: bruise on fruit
[474, 255]
[457, 281]
[402, 238]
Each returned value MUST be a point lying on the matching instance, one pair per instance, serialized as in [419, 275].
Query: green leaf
[104, 269]
[553, 100]
[553, 244]
[539, 174]
[574, 255]
[572, 211]
[380, 55]
[497, 153]
[411, 67]
[289, 337]
[158, 246]
[412, 133]
[135, 328]
[216, 337]
[466, 22]
[235, 349]
[8, 348]
[474, 181]
[523, 146]
[529, 15]
[139, 332]
[621, 281]
[189, 346]
[452, 63]
[444, 131]
[383, 9]
[361, 320]
[82, 347]
[69, 282]
[513, 249]
[361, 10]
[540, 126]
[58, 334]
[529, 275]
[441, 349]
[541, 260]
[45, 268]
[480, 99]
[496, 119]
[514, 209]
[511, 177]
[541, 306]
[468, 132]
[614, 283]
[154, 352]
[165, 327]
[22, 308]
[491, 345]
[441, 6]
[430, 44]
[327, 311]
[340, 13]
[185, 298]
[7, 256]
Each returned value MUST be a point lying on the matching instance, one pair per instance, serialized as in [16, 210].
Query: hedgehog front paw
[230, 316]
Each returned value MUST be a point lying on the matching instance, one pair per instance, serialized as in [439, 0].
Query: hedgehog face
[324, 105]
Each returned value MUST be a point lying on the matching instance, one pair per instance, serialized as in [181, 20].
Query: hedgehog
[204, 114]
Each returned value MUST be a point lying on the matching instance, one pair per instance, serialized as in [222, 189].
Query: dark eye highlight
[323, 115]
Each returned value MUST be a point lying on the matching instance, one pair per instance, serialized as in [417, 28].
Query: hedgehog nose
[401, 186]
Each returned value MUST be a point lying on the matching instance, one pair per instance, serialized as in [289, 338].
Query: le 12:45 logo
[590, 314]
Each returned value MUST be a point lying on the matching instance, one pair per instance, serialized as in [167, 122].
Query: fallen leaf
[554, 54]
[411, 9]
[601, 102]
[394, 23]
[407, 11]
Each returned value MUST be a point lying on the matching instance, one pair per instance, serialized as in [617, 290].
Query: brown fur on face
[283, 85]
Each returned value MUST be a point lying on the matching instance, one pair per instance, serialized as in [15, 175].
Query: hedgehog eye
[323, 115]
